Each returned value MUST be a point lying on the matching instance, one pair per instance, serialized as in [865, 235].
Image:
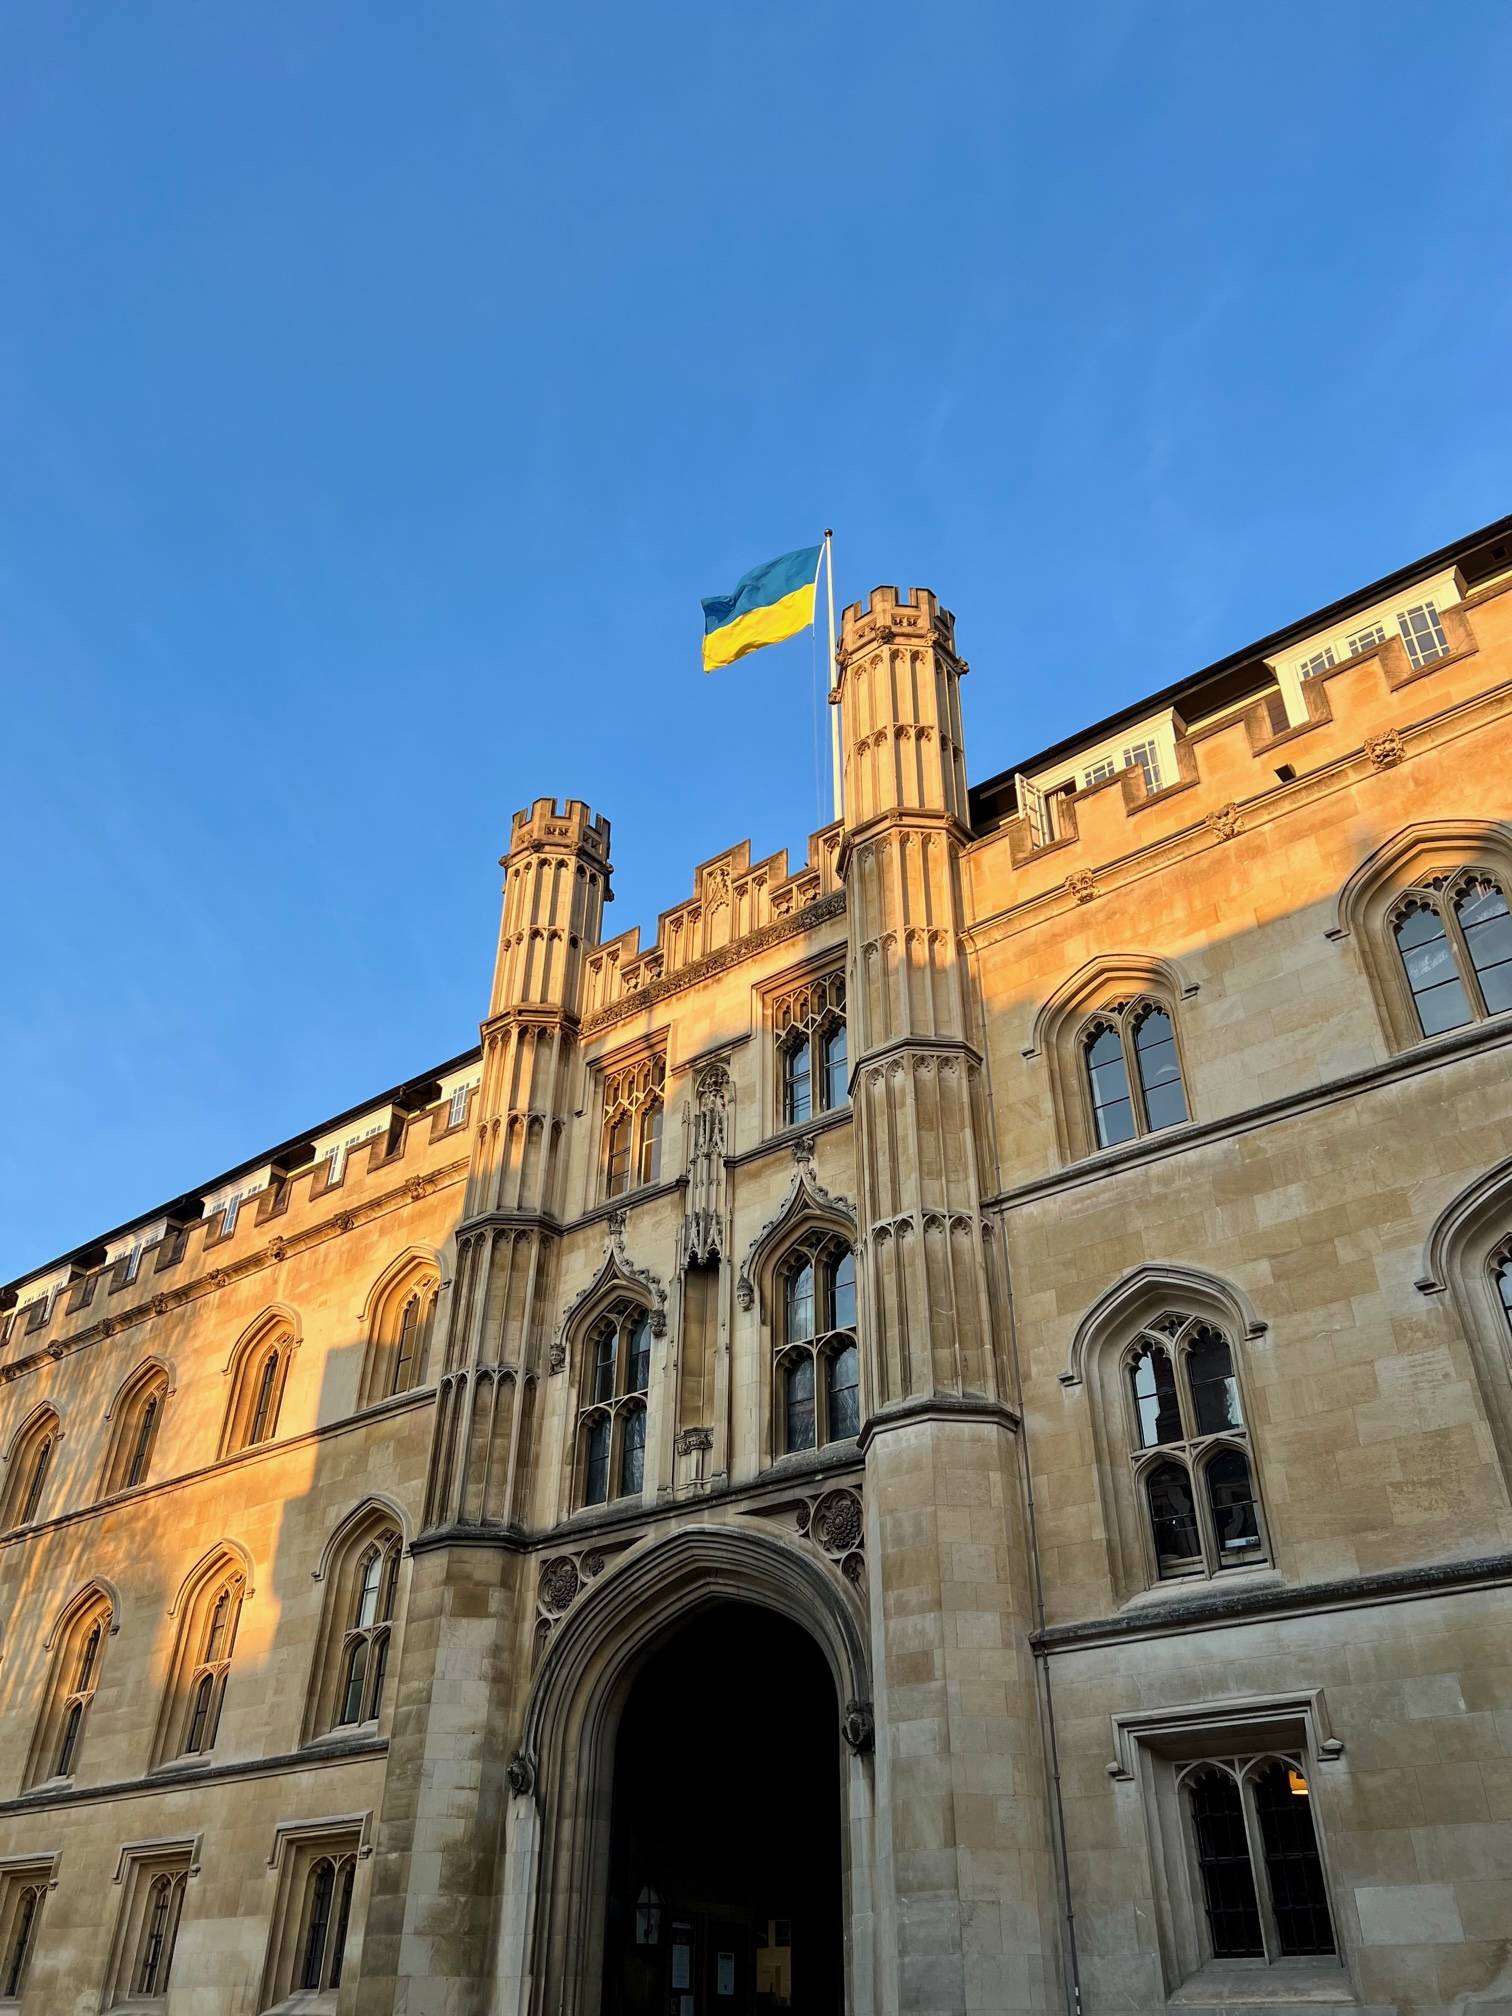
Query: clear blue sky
[381, 386]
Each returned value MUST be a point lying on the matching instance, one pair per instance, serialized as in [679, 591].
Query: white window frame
[1438, 648]
[1145, 755]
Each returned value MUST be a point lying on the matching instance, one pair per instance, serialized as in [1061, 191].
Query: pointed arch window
[207, 1642]
[259, 1376]
[1255, 1845]
[355, 1650]
[327, 1918]
[612, 1417]
[808, 1023]
[1501, 1274]
[139, 1414]
[365, 1644]
[1453, 937]
[634, 1096]
[1132, 1069]
[22, 1892]
[75, 1679]
[1190, 1450]
[399, 1337]
[31, 1458]
[160, 1925]
[818, 1367]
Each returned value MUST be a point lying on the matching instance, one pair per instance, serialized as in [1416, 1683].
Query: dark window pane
[797, 1100]
[798, 1402]
[800, 1302]
[152, 1977]
[136, 1470]
[320, 1922]
[371, 1576]
[215, 1636]
[1159, 1070]
[650, 1147]
[1487, 926]
[262, 1411]
[836, 1090]
[199, 1718]
[38, 1479]
[343, 1919]
[1504, 1287]
[617, 1156]
[404, 1347]
[352, 1688]
[1155, 1401]
[603, 1364]
[639, 1367]
[87, 1660]
[380, 1674]
[1298, 1898]
[596, 1463]
[843, 1293]
[1232, 1498]
[1437, 990]
[1214, 1389]
[68, 1748]
[844, 1394]
[633, 1452]
[26, 1918]
[1108, 1080]
[1173, 1520]
[1228, 1881]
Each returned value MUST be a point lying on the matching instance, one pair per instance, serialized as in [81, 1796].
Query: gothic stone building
[938, 1439]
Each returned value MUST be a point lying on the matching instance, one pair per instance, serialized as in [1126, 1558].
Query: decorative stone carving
[418, 1187]
[520, 1772]
[160, 1304]
[1081, 885]
[1226, 822]
[702, 1237]
[1386, 749]
[690, 1439]
[344, 1221]
[615, 1271]
[278, 1249]
[806, 1198]
[592, 1564]
[858, 1726]
[853, 1568]
[836, 1522]
[560, 1583]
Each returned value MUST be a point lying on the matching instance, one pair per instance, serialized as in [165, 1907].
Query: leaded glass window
[370, 1620]
[818, 1386]
[1454, 938]
[808, 1022]
[1133, 1072]
[1255, 1844]
[634, 1095]
[612, 1415]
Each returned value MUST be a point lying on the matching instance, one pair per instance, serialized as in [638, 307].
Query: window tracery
[365, 1646]
[30, 1462]
[202, 1662]
[808, 1022]
[1260, 1877]
[401, 1321]
[634, 1098]
[327, 1917]
[1453, 935]
[817, 1363]
[612, 1410]
[259, 1374]
[1132, 1071]
[23, 1891]
[139, 1413]
[72, 1686]
[160, 1925]
[1189, 1448]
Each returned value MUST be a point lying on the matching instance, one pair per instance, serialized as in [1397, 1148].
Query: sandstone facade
[1032, 1250]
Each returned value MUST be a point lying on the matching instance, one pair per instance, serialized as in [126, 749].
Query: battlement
[573, 824]
[891, 613]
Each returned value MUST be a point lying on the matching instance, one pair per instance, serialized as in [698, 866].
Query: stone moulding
[820, 911]
[615, 1273]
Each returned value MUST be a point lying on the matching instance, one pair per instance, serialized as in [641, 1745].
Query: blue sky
[382, 386]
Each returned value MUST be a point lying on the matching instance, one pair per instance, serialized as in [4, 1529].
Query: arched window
[1256, 1850]
[1133, 1071]
[25, 1908]
[202, 1662]
[27, 1468]
[401, 1316]
[78, 1659]
[1501, 1274]
[818, 1367]
[633, 1099]
[355, 1650]
[1201, 1509]
[1454, 938]
[160, 1924]
[808, 1023]
[259, 1373]
[612, 1413]
[138, 1412]
[327, 1916]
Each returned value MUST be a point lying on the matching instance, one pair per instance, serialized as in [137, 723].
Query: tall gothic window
[28, 1467]
[399, 1335]
[160, 1924]
[259, 1374]
[138, 1414]
[809, 1026]
[202, 1662]
[1256, 1850]
[634, 1095]
[1190, 1450]
[1133, 1071]
[818, 1373]
[1501, 1274]
[1454, 938]
[73, 1683]
[327, 1916]
[365, 1646]
[612, 1406]
[22, 1891]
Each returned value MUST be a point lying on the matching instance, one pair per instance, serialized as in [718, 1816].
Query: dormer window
[1423, 634]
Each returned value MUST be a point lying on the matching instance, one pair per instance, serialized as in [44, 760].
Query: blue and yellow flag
[769, 603]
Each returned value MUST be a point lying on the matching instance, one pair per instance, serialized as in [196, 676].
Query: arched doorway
[725, 1893]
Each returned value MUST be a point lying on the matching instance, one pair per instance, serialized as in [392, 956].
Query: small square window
[1423, 634]
[1147, 757]
[1320, 661]
[1366, 639]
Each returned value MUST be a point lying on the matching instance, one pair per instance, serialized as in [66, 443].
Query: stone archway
[550, 1953]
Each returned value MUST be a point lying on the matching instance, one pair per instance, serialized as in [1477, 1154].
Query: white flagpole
[829, 583]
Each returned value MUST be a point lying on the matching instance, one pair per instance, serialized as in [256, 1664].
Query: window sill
[1194, 1588]
[305, 2002]
[1246, 1984]
[346, 1732]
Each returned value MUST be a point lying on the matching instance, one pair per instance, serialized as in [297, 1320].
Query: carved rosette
[858, 1726]
[836, 1522]
[560, 1583]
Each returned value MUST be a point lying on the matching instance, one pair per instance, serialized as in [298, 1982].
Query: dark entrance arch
[725, 1893]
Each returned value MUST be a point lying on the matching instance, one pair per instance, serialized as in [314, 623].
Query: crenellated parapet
[899, 689]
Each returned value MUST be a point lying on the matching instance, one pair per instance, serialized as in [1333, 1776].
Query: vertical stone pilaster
[964, 1864]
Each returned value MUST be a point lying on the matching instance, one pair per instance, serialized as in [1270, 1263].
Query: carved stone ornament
[1386, 749]
[592, 1564]
[559, 1355]
[853, 1568]
[745, 1293]
[1081, 885]
[615, 1271]
[1226, 822]
[278, 1249]
[520, 1772]
[559, 1584]
[690, 1439]
[859, 1726]
[344, 1221]
[806, 1199]
[836, 1522]
[418, 1187]
[160, 1305]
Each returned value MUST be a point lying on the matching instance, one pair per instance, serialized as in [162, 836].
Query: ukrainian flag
[769, 603]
